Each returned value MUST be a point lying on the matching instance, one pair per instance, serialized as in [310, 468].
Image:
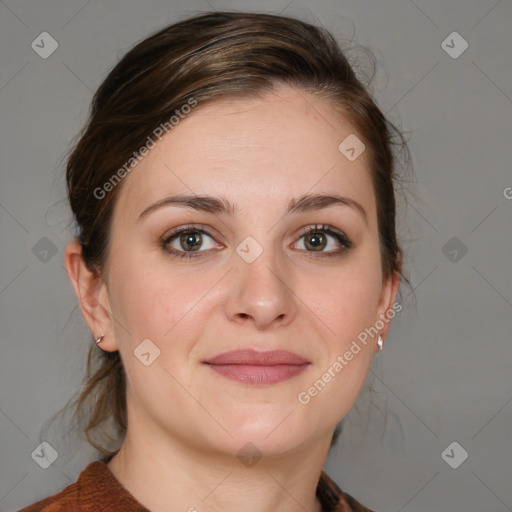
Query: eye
[193, 241]
[186, 241]
[324, 239]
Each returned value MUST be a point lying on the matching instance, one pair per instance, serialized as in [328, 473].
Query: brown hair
[207, 57]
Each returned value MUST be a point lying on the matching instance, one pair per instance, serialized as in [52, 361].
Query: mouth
[253, 367]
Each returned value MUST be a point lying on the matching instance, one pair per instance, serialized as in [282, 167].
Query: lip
[256, 358]
[254, 367]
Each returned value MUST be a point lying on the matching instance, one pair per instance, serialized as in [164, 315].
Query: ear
[92, 293]
[387, 300]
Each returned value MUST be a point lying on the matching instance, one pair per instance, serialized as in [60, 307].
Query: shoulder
[95, 488]
[333, 499]
[48, 505]
[65, 500]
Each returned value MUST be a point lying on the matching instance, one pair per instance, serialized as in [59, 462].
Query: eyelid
[190, 228]
[322, 227]
[187, 228]
[342, 237]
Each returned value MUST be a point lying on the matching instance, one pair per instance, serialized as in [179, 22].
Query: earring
[99, 338]
[380, 342]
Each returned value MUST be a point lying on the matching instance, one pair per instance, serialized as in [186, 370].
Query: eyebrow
[218, 205]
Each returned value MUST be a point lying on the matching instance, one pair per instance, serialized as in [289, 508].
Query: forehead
[271, 148]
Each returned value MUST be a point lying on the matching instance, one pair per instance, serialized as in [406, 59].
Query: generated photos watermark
[158, 132]
[304, 397]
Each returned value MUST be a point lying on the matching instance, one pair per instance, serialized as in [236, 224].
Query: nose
[261, 292]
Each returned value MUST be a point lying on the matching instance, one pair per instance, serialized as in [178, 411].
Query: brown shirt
[97, 489]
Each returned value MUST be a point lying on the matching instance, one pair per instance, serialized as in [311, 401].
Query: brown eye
[324, 240]
[191, 241]
[315, 241]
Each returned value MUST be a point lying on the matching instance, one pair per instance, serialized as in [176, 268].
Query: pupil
[316, 240]
[191, 241]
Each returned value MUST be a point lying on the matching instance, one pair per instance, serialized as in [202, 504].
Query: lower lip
[257, 374]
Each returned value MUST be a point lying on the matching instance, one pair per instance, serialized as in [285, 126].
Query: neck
[169, 475]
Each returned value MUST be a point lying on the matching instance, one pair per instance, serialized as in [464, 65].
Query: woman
[236, 262]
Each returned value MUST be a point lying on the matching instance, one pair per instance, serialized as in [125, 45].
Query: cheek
[349, 309]
[351, 303]
[155, 302]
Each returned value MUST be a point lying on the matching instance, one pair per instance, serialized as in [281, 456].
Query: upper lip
[256, 358]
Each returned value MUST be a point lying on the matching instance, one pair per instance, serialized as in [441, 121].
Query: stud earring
[98, 339]
[380, 342]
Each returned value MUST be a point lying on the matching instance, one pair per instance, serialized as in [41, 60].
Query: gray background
[444, 374]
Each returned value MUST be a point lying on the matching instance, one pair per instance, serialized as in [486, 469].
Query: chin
[274, 434]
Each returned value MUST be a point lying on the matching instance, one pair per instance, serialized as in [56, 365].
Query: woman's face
[246, 277]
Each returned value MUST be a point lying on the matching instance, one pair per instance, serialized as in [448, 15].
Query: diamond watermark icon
[44, 45]
[45, 455]
[44, 249]
[249, 455]
[351, 147]
[454, 455]
[249, 250]
[454, 45]
[454, 249]
[146, 352]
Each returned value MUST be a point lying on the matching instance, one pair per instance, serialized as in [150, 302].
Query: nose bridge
[259, 285]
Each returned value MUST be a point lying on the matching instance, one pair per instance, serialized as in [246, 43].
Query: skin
[186, 423]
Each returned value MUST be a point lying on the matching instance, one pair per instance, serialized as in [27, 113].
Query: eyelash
[341, 237]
